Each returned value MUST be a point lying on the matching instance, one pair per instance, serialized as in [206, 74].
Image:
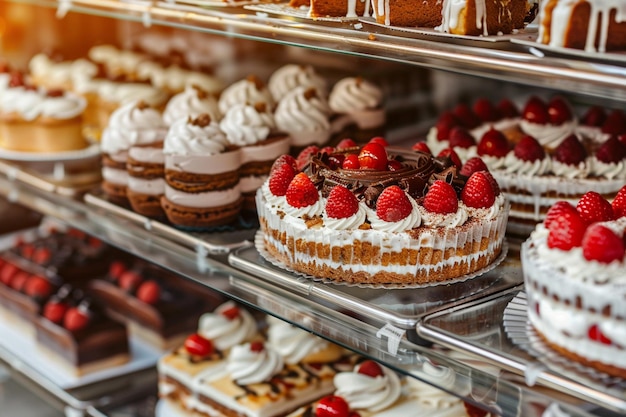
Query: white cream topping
[538, 167]
[292, 343]
[206, 199]
[363, 392]
[132, 125]
[613, 170]
[315, 209]
[450, 220]
[347, 223]
[123, 93]
[175, 78]
[225, 332]
[494, 162]
[185, 138]
[247, 367]
[554, 411]
[289, 77]
[155, 186]
[244, 125]
[353, 94]
[148, 154]
[489, 212]
[115, 176]
[190, 103]
[548, 135]
[30, 104]
[244, 91]
[60, 73]
[116, 61]
[413, 220]
[451, 12]
[265, 151]
[581, 170]
[296, 114]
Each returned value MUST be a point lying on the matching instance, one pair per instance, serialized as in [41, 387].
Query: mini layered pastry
[191, 102]
[574, 265]
[368, 216]
[202, 175]
[250, 90]
[289, 77]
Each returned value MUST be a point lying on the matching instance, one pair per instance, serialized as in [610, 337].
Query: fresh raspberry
[466, 116]
[441, 198]
[529, 149]
[592, 208]
[75, 319]
[474, 411]
[332, 406]
[282, 160]
[38, 287]
[346, 143]
[595, 116]
[618, 205]
[341, 203]
[393, 204]
[445, 123]
[18, 283]
[594, 333]
[373, 156]
[380, 140]
[615, 123]
[305, 155]
[472, 165]
[27, 250]
[257, 346]
[149, 292]
[477, 192]
[559, 111]
[570, 151]
[301, 192]
[459, 136]
[279, 179]
[42, 256]
[7, 273]
[370, 368]
[55, 310]
[421, 147]
[536, 111]
[130, 280]
[602, 244]
[197, 345]
[454, 157]
[611, 151]
[566, 231]
[556, 210]
[493, 143]
[484, 109]
[507, 109]
[394, 165]
[231, 313]
[351, 161]
[116, 269]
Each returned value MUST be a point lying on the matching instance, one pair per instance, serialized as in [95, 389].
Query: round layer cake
[575, 272]
[375, 216]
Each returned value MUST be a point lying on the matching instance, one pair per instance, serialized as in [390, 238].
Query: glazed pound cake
[575, 268]
[366, 216]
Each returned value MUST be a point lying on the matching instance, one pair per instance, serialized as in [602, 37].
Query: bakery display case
[474, 329]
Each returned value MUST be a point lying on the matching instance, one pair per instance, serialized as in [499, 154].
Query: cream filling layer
[208, 199]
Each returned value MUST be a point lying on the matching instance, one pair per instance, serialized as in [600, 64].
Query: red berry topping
[615, 123]
[231, 313]
[149, 292]
[570, 151]
[327, 150]
[257, 346]
[303, 157]
[445, 123]
[301, 192]
[8, 272]
[332, 406]
[595, 116]
[393, 204]
[459, 136]
[454, 157]
[486, 111]
[341, 203]
[507, 109]
[611, 151]
[373, 156]
[55, 311]
[441, 198]
[346, 143]
[596, 335]
[477, 192]
[75, 319]
[18, 283]
[536, 111]
[493, 143]
[116, 269]
[618, 205]
[529, 149]
[421, 147]
[335, 160]
[380, 140]
[42, 256]
[27, 251]
[466, 116]
[370, 368]
[284, 160]
[559, 111]
[557, 210]
[472, 165]
[280, 178]
[566, 231]
[198, 346]
[351, 162]
[602, 244]
[394, 165]
[130, 280]
[592, 208]
[38, 287]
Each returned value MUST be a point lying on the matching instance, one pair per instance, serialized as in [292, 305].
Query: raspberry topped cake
[375, 216]
[575, 268]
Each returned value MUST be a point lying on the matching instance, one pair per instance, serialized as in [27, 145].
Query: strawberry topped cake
[575, 269]
[373, 215]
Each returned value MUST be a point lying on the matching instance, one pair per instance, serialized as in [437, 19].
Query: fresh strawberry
[611, 151]
[42, 256]
[566, 231]
[474, 411]
[466, 116]
[7, 273]
[18, 283]
[615, 123]
[380, 140]
[373, 156]
[472, 165]
[592, 208]
[341, 203]
[346, 143]
[484, 109]
[459, 136]
[332, 406]
[494, 184]
[231, 313]
[394, 165]
[75, 319]
[370, 368]
[303, 157]
[279, 179]
[27, 250]
[351, 161]
[595, 116]
[284, 160]
[94, 242]
[559, 111]
[38, 287]
[454, 157]
[596, 335]
[618, 205]
[602, 244]
[130, 280]
[55, 310]
[335, 160]
[197, 345]
[556, 210]
[327, 150]
[441, 198]
[570, 151]
[445, 123]
[393, 204]
[477, 192]
[301, 192]
[507, 109]
[116, 269]
[149, 292]
[421, 147]
[493, 143]
[257, 346]
[529, 149]
[536, 111]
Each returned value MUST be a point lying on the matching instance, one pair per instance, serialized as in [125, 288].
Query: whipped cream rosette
[304, 114]
[228, 325]
[290, 77]
[191, 102]
[250, 90]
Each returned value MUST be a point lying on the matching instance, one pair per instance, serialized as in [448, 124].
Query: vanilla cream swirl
[225, 332]
[131, 125]
[63, 107]
[363, 392]
[315, 209]
[190, 103]
[613, 170]
[286, 79]
[60, 73]
[30, 104]
[347, 223]
[449, 221]
[115, 60]
[354, 93]
[428, 395]
[245, 91]
[413, 220]
[274, 201]
[129, 92]
[487, 213]
[514, 164]
[247, 367]
[494, 162]
[549, 135]
[299, 111]
[244, 125]
[186, 138]
[571, 171]
[292, 343]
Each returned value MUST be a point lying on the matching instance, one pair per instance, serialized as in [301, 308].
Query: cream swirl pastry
[30, 104]
[253, 363]
[293, 343]
[304, 115]
[291, 76]
[191, 102]
[227, 326]
[51, 74]
[187, 138]
[360, 99]
[245, 124]
[537, 167]
[250, 90]
[364, 392]
[132, 124]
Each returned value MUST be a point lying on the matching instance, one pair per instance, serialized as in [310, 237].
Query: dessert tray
[541, 49]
